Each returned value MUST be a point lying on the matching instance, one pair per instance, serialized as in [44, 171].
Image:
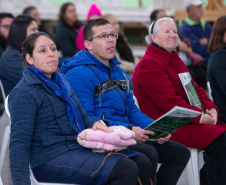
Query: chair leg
[193, 168]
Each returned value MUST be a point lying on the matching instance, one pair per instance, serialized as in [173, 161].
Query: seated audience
[33, 12]
[217, 65]
[163, 90]
[102, 88]
[46, 119]
[66, 30]
[5, 23]
[195, 29]
[93, 13]
[11, 62]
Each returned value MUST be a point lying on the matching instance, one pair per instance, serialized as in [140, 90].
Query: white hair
[156, 27]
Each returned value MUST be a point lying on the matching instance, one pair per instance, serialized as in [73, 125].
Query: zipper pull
[104, 114]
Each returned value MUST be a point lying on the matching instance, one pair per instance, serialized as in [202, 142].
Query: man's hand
[162, 140]
[141, 134]
[203, 41]
[100, 126]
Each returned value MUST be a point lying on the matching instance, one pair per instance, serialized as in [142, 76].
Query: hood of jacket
[84, 57]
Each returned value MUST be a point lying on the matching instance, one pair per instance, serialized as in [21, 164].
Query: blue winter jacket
[193, 32]
[90, 79]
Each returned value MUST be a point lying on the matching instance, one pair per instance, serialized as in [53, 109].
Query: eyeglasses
[105, 36]
[6, 26]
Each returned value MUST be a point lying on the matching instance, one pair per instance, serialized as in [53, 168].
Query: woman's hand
[213, 113]
[162, 140]
[100, 126]
[207, 119]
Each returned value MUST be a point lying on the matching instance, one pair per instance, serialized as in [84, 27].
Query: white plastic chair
[4, 147]
[209, 91]
[1, 183]
[193, 167]
[193, 163]
[5, 139]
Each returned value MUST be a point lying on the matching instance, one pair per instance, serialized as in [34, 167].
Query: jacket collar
[32, 79]
[160, 53]
[190, 22]
[84, 57]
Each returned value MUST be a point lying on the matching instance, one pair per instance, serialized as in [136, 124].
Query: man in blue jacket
[196, 29]
[102, 88]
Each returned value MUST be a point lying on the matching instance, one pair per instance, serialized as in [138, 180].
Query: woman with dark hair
[217, 65]
[46, 119]
[11, 63]
[67, 29]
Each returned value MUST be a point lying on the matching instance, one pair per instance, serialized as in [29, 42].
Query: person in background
[195, 29]
[189, 57]
[217, 65]
[46, 119]
[93, 13]
[123, 50]
[11, 62]
[33, 12]
[5, 23]
[158, 88]
[155, 14]
[102, 88]
[66, 30]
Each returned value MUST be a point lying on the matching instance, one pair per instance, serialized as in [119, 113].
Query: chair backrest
[209, 91]
[1, 183]
[7, 107]
[2, 90]
[5, 139]
[136, 102]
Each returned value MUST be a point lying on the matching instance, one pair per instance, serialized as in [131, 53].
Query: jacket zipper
[109, 74]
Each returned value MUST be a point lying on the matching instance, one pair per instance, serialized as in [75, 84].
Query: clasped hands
[210, 117]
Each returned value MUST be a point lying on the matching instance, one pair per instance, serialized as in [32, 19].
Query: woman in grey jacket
[46, 118]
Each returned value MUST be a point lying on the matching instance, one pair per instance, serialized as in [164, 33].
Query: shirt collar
[190, 22]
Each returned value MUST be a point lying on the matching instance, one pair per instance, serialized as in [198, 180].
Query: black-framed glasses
[104, 36]
[6, 26]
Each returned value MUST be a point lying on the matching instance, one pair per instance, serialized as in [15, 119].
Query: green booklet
[190, 90]
[171, 121]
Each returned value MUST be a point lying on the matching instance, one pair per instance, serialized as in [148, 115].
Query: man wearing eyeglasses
[5, 23]
[102, 88]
